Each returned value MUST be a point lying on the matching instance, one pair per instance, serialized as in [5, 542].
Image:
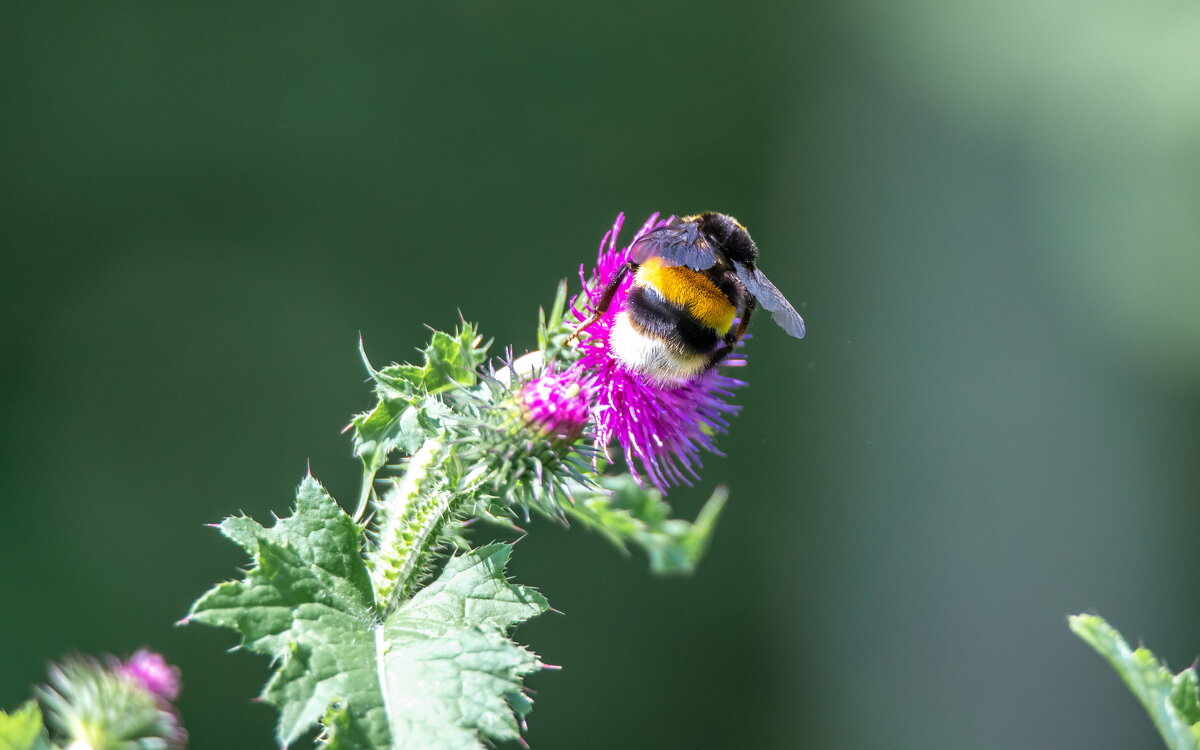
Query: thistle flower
[153, 672]
[125, 705]
[556, 406]
[662, 428]
[529, 452]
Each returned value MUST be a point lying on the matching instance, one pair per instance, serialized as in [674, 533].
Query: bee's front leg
[605, 300]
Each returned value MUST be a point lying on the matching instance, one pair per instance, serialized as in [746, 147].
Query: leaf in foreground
[438, 672]
[23, 729]
[1171, 700]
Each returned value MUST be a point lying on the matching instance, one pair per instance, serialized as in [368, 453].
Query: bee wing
[771, 299]
[678, 245]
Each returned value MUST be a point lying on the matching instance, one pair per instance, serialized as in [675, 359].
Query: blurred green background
[988, 212]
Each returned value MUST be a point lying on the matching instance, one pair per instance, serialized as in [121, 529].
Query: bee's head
[729, 235]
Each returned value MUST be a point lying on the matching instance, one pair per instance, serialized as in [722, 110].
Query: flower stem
[411, 517]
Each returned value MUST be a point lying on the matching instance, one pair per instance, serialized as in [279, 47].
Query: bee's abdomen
[657, 316]
[660, 339]
[690, 290]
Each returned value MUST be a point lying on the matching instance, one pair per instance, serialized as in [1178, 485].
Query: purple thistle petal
[154, 674]
[661, 428]
[556, 405]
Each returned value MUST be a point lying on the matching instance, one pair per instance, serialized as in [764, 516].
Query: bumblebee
[692, 279]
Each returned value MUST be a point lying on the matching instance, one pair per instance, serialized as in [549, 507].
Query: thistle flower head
[662, 428]
[121, 705]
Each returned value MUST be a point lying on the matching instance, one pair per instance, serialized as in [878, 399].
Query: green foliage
[630, 514]
[365, 639]
[436, 671]
[555, 328]
[509, 472]
[23, 729]
[409, 409]
[1171, 700]
[448, 668]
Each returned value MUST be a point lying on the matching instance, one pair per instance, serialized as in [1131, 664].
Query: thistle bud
[556, 406]
[94, 705]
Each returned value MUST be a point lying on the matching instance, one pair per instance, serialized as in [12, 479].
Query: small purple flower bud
[556, 405]
[154, 674]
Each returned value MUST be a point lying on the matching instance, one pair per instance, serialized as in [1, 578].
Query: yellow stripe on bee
[689, 289]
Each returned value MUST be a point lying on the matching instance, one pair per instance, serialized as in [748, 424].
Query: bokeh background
[987, 211]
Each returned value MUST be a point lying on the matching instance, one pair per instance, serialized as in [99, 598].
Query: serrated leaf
[631, 514]
[450, 360]
[23, 729]
[439, 672]
[449, 639]
[408, 411]
[1171, 700]
[405, 380]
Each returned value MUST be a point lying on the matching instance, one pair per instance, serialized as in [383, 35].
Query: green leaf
[23, 729]
[447, 655]
[344, 731]
[438, 672]
[406, 380]
[1185, 697]
[1171, 700]
[451, 360]
[631, 514]
[408, 411]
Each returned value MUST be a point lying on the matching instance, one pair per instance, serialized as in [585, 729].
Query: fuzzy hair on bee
[692, 279]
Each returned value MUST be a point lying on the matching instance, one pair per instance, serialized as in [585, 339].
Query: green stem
[410, 519]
